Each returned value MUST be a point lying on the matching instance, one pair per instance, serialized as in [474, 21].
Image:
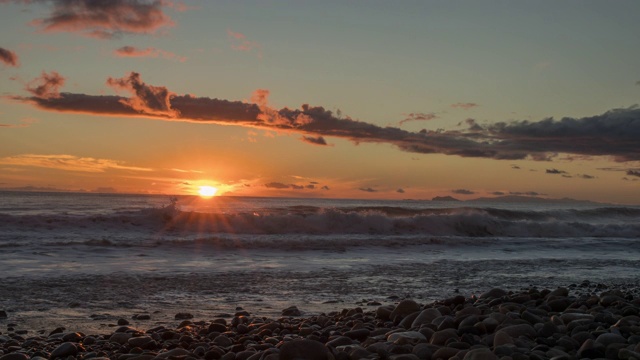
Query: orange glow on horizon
[207, 191]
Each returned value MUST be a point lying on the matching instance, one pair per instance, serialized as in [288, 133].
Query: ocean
[89, 259]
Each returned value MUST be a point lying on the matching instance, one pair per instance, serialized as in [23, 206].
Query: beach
[586, 320]
[77, 269]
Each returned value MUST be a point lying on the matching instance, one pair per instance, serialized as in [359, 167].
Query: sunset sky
[357, 99]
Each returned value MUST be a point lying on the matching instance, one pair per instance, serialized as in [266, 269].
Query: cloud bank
[102, 19]
[67, 162]
[614, 133]
[8, 57]
[131, 51]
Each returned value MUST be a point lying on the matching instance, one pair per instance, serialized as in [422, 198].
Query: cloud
[525, 193]
[515, 167]
[418, 117]
[277, 185]
[465, 106]
[148, 99]
[23, 123]
[635, 173]
[102, 19]
[47, 86]
[586, 176]
[497, 193]
[325, 187]
[240, 42]
[463, 192]
[368, 190]
[613, 133]
[555, 171]
[8, 57]
[67, 162]
[400, 191]
[130, 51]
[314, 140]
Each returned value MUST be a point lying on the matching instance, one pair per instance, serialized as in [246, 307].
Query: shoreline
[581, 320]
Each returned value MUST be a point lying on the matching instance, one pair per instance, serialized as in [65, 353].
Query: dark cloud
[555, 171]
[515, 167]
[310, 186]
[153, 100]
[497, 193]
[368, 189]
[635, 173]
[526, 193]
[277, 185]
[102, 19]
[314, 140]
[297, 187]
[419, 117]
[586, 176]
[463, 192]
[465, 106]
[401, 191]
[8, 57]
[47, 86]
[325, 187]
[613, 133]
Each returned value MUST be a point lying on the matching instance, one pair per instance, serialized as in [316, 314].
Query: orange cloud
[130, 51]
[67, 162]
[240, 42]
[614, 133]
[47, 86]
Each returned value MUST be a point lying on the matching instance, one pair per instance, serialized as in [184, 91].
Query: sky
[336, 99]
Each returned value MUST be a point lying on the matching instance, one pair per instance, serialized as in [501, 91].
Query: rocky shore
[580, 321]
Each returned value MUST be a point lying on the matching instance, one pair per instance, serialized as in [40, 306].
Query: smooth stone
[502, 338]
[217, 327]
[64, 349]
[120, 337]
[404, 357]
[445, 352]
[222, 340]
[340, 341]
[422, 351]
[493, 294]
[516, 331]
[358, 334]
[15, 356]
[607, 339]
[304, 350]
[426, 316]
[569, 317]
[441, 337]
[404, 308]
[384, 312]
[408, 335]
[480, 354]
[291, 311]
[140, 341]
[177, 352]
[183, 316]
[590, 350]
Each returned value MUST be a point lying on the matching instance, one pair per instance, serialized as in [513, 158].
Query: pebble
[530, 324]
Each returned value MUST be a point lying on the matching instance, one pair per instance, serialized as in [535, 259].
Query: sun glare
[207, 191]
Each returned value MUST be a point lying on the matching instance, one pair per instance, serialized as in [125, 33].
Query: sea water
[80, 254]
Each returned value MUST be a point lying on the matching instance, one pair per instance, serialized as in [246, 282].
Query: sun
[207, 191]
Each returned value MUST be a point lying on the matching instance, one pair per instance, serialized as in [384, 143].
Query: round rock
[305, 350]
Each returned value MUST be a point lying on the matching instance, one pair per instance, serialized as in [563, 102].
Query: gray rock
[120, 338]
[480, 354]
[64, 350]
[291, 311]
[139, 341]
[426, 316]
[493, 293]
[304, 350]
[15, 356]
[404, 308]
[608, 338]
